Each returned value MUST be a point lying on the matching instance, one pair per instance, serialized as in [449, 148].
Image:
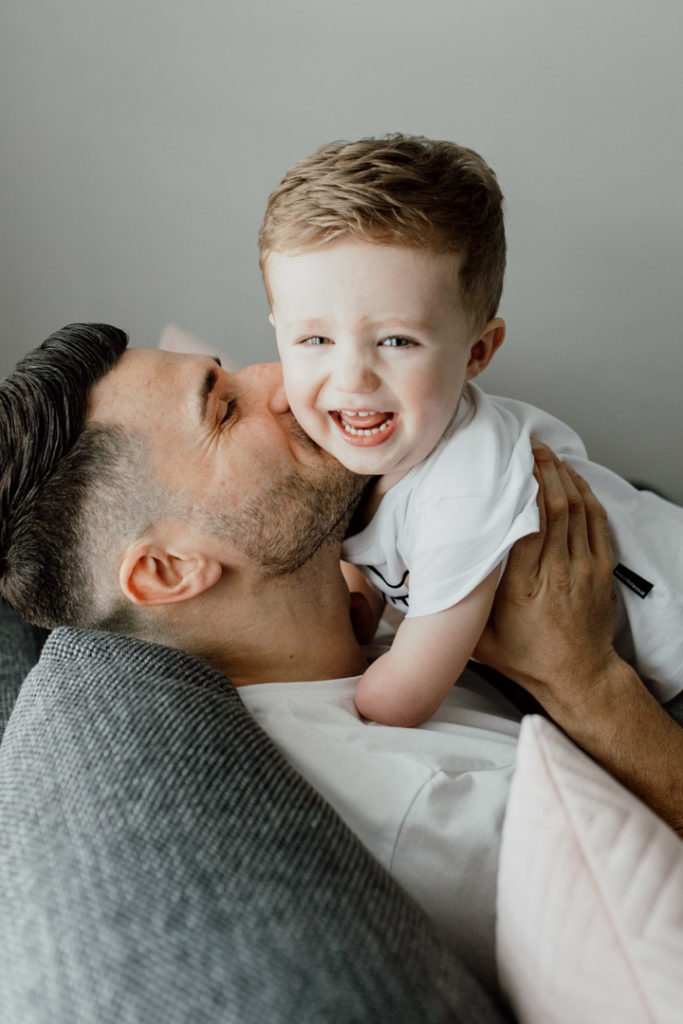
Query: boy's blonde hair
[397, 190]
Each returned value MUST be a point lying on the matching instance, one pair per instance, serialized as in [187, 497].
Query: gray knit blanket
[160, 862]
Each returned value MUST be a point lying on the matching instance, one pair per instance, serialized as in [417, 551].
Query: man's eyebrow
[208, 384]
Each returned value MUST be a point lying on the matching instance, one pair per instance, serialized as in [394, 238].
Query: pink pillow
[590, 894]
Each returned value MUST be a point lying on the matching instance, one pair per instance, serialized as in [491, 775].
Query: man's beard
[289, 522]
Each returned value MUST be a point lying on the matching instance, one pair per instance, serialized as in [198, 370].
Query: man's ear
[485, 347]
[153, 572]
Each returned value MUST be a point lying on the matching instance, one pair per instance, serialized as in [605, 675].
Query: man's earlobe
[485, 347]
[152, 575]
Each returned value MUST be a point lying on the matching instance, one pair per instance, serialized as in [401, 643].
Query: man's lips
[364, 427]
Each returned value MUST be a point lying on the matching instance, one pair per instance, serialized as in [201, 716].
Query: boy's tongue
[365, 422]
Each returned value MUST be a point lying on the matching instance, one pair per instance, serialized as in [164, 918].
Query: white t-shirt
[428, 802]
[454, 517]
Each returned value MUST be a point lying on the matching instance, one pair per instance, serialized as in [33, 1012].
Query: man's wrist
[566, 685]
[625, 729]
[589, 708]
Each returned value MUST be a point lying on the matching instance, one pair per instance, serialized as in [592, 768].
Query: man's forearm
[622, 726]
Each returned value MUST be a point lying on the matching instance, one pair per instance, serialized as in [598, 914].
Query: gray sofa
[160, 862]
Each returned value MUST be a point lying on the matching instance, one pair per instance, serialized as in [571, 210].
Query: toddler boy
[383, 261]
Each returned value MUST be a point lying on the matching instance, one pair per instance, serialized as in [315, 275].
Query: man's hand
[551, 631]
[552, 622]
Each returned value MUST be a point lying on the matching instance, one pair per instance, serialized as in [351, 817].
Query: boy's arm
[406, 685]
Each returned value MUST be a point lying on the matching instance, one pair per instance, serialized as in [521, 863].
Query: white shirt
[454, 517]
[428, 802]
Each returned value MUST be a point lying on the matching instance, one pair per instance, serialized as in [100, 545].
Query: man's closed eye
[230, 410]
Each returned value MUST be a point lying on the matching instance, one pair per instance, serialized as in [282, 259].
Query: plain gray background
[140, 138]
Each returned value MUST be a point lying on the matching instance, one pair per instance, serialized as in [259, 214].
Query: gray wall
[139, 139]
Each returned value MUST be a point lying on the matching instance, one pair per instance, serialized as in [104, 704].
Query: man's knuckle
[556, 511]
[542, 453]
[560, 578]
[596, 510]
[584, 571]
[575, 505]
[605, 568]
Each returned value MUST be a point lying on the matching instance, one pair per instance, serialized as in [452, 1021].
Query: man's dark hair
[50, 460]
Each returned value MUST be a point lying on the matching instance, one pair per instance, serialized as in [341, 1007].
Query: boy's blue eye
[396, 342]
[316, 340]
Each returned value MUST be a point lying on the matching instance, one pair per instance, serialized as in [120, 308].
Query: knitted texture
[160, 862]
[19, 650]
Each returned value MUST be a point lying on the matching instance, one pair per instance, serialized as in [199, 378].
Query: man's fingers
[554, 499]
[572, 528]
[538, 450]
[524, 557]
[597, 527]
[577, 525]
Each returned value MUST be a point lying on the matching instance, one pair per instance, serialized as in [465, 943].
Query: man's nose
[262, 383]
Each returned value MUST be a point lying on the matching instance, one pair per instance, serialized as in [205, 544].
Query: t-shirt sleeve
[461, 541]
[478, 498]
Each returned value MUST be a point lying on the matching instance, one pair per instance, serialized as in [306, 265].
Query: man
[201, 517]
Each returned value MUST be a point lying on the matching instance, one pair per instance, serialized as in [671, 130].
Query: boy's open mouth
[364, 427]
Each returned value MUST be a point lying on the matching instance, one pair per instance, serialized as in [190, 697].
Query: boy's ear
[157, 571]
[271, 320]
[485, 347]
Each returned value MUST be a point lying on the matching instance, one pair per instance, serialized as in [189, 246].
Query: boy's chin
[365, 461]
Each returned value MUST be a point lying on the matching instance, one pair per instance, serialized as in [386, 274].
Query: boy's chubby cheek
[301, 401]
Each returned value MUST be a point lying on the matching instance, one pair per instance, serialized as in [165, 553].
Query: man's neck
[286, 629]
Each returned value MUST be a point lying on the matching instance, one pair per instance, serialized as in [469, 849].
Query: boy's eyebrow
[309, 324]
[388, 322]
[405, 323]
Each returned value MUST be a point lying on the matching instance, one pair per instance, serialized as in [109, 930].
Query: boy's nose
[355, 376]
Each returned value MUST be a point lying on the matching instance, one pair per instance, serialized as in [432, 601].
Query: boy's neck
[372, 498]
[380, 485]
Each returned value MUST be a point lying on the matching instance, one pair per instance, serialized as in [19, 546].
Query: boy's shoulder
[488, 441]
[478, 448]
[535, 422]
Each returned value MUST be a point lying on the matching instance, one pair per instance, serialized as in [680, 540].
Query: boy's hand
[366, 604]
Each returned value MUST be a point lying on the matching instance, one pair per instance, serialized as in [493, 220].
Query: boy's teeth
[378, 428]
[357, 412]
[366, 433]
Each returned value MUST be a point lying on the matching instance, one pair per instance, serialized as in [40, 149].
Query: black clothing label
[633, 581]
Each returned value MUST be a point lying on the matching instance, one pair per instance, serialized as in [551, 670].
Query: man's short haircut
[52, 466]
[397, 190]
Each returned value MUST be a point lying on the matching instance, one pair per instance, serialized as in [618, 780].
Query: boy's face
[375, 347]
